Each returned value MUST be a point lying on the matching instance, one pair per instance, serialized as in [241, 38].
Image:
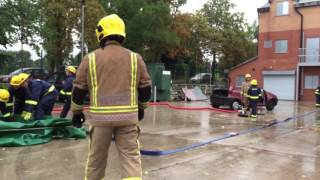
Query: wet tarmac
[286, 151]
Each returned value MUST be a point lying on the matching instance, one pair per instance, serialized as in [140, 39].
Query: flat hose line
[170, 106]
[225, 136]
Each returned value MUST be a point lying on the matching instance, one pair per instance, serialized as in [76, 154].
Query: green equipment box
[161, 80]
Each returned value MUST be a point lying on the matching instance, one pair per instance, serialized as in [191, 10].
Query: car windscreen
[16, 72]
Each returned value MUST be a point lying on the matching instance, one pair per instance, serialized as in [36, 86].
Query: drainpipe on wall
[301, 46]
[301, 27]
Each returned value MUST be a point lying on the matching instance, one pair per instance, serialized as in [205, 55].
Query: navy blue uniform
[254, 94]
[317, 93]
[6, 110]
[67, 92]
[20, 98]
[38, 97]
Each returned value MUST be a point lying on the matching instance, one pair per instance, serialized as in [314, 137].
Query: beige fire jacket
[112, 76]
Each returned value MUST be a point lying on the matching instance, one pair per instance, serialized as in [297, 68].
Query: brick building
[288, 61]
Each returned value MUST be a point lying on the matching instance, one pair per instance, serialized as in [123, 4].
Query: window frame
[276, 46]
[266, 43]
[282, 8]
[314, 82]
[238, 79]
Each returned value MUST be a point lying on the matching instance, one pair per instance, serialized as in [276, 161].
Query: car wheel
[270, 105]
[235, 105]
[215, 106]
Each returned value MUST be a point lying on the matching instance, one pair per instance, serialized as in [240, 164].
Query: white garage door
[281, 85]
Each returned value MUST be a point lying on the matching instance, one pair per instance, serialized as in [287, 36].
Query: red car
[232, 98]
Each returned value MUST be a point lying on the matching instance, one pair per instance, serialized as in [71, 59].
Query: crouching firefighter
[67, 90]
[35, 97]
[317, 93]
[254, 96]
[119, 87]
[5, 106]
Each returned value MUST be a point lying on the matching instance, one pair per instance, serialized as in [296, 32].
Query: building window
[240, 80]
[311, 82]
[267, 44]
[304, 1]
[282, 8]
[281, 46]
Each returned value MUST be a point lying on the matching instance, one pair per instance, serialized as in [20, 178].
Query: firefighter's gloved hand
[140, 114]
[23, 114]
[9, 118]
[78, 120]
[27, 116]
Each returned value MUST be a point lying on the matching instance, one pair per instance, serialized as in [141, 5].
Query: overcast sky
[249, 7]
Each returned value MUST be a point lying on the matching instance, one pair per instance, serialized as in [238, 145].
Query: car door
[205, 78]
[39, 74]
[220, 97]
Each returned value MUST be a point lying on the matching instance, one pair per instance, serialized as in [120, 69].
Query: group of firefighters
[251, 95]
[34, 97]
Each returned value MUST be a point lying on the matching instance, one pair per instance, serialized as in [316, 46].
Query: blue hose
[225, 136]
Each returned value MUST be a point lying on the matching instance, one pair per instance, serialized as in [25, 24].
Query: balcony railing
[309, 55]
[306, 3]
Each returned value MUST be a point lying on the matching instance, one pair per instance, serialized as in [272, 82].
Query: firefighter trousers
[318, 100]
[45, 106]
[253, 106]
[126, 141]
[66, 107]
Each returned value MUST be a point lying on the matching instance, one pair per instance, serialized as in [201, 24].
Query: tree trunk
[213, 67]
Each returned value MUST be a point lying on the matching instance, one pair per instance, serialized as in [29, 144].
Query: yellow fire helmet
[110, 25]
[17, 80]
[71, 69]
[247, 76]
[254, 82]
[4, 95]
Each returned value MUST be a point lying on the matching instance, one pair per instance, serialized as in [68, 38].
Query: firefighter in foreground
[244, 96]
[119, 87]
[317, 93]
[5, 107]
[67, 90]
[35, 97]
[254, 96]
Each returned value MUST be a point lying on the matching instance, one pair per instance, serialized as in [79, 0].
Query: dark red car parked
[232, 98]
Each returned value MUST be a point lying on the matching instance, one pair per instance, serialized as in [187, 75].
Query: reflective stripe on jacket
[67, 85]
[34, 92]
[254, 93]
[112, 76]
[317, 91]
[100, 108]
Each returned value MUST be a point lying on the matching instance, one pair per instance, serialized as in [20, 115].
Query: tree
[148, 25]
[13, 60]
[59, 19]
[94, 11]
[230, 41]
[182, 27]
[6, 21]
[18, 21]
